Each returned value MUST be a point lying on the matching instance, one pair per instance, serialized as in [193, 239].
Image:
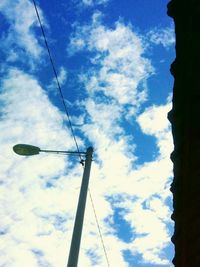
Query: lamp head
[26, 150]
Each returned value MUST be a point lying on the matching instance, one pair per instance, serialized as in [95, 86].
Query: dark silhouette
[185, 120]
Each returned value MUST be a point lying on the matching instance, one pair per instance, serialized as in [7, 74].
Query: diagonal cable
[70, 124]
[57, 81]
[99, 229]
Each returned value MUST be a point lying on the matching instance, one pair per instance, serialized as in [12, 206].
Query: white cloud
[39, 194]
[113, 83]
[32, 198]
[147, 184]
[38, 214]
[147, 240]
[165, 37]
[122, 69]
[44, 224]
[62, 78]
[20, 37]
[82, 5]
[94, 2]
[153, 121]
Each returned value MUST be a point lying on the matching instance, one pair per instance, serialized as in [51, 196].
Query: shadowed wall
[185, 120]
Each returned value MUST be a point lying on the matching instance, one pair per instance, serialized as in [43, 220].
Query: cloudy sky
[112, 59]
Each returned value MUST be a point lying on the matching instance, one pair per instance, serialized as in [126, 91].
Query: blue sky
[113, 60]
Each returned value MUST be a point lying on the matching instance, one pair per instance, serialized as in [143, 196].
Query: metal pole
[78, 225]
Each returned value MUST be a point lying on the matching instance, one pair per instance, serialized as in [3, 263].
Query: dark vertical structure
[185, 120]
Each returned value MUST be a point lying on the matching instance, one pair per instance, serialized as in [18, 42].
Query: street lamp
[29, 150]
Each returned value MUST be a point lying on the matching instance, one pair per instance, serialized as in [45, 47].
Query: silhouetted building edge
[185, 120]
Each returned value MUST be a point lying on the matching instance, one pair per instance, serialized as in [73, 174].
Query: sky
[113, 60]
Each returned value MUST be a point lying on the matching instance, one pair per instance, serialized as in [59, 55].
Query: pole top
[90, 149]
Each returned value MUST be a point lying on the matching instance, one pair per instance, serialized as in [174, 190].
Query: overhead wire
[57, 81]
[99, 229]
[70, 124]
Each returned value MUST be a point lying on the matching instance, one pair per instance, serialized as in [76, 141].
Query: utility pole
[30, 150]
[78, 224]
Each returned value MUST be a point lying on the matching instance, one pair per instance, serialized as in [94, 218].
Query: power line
[99, 229]
[70, 124]
[57, 81]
